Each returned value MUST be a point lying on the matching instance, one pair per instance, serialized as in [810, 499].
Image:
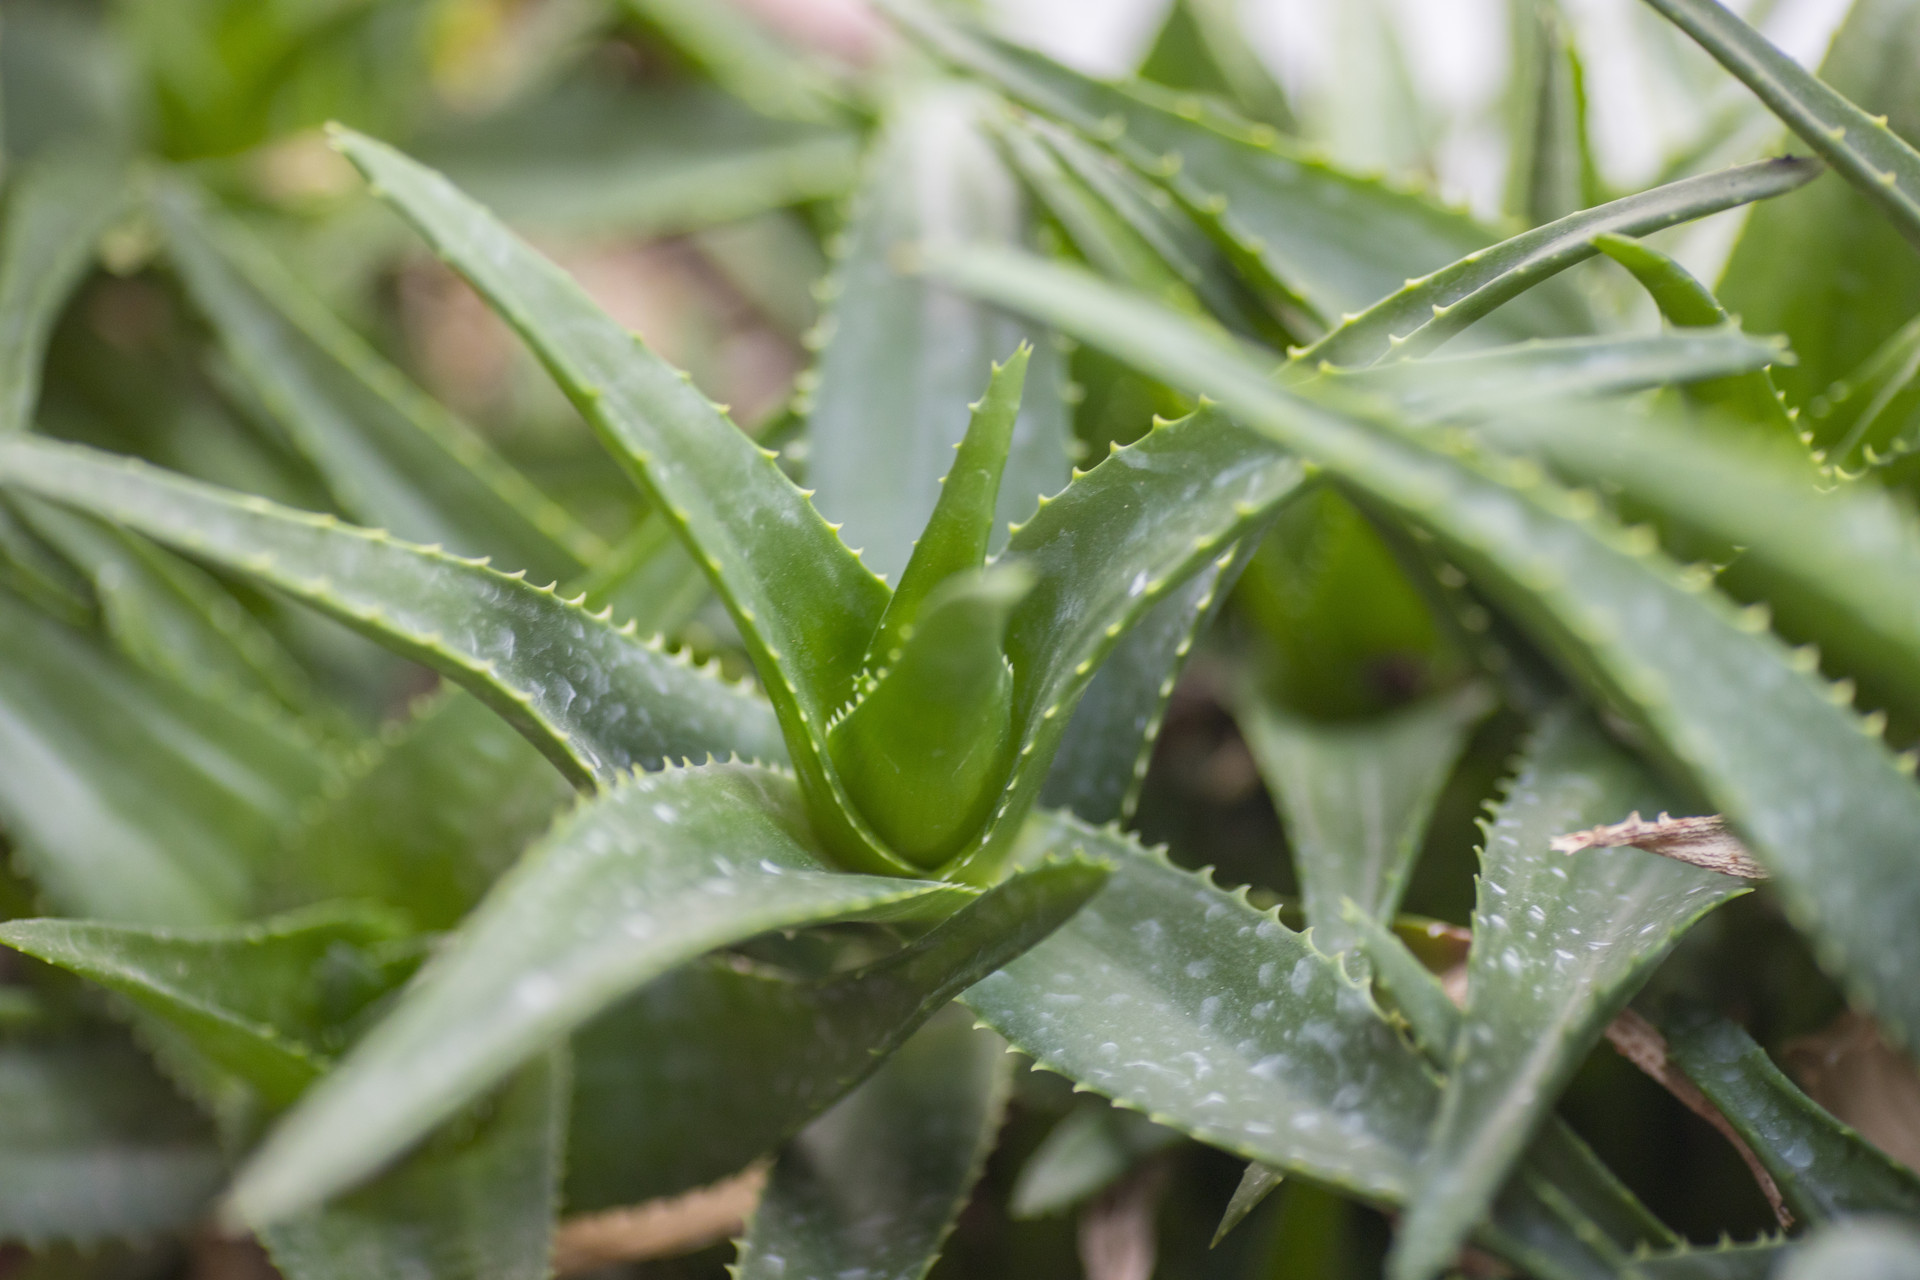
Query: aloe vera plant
[570, 824]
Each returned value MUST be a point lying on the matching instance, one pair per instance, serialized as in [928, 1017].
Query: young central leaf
[924, 747]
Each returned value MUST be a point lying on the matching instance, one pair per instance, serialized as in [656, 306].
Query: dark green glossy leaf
[95, 1146]
[1818, 798]
[872, 1188]
[1560, 944]
[649, 875]
[1823, 1168]
[1091, 1147]
[747, 1055]
[475, 1203]
[589, 694]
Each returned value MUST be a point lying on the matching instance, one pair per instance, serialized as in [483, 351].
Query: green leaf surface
[1867, 418]
[1355, 797]
[95, 1146]
[589, 694]
[1824, 265]
[742, 56]
[748, 1055]
[1257, 1182]
[804, 604]
[1870, 1249]
[659, 870]
[1088, 1150]
[57, 208]
[1551, 171]
[391, 456]
[1560, 944]
[1202, 47]
[873, 1187]
[1425, 312]
[475, 1203]
[1823, 1168]
[1879, 163]
[1818, 798]
[1329, 241]
[127, 797]
[269, 1002]
[1761, 1260]
[903, 355]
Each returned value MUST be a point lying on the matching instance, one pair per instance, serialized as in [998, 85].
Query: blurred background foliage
[693, 163]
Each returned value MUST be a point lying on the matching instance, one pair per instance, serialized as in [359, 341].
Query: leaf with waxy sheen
[1356, 797]
[903, 355]
[128, 797]
[873, 1187]
[1330, 241]
[475, 1203]
[747, 1055]
[1824, 265]
[1426, 312]
[94, 1145]
[805, 605]
[269, 1002]
[1818, 798]
[1560, 944]
[645, 877]
[58, 206]
[1823, 1168]
[390, 455]
[1879, 163]
[593, 698]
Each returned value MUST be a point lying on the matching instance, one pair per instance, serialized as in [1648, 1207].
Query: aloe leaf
[594, 699]
[1823, 1168]
[58, 206]
[749, 1055]
[655, 872]
[1425, 312]
[476, 1203]
[1090, 1148]
[805, 605]
[1872, 1249]
[95, 1146]
[1550, 170]
[743, 57]
[1816, 796]
[1861, 148]
[1866, 419]
[1823, 265]
[266, 1001]
[1356, 798]
[873, 1187]
[1465, 386]
[903, 355]
[1202, 47]
[1113, 544]
[1559, 946]
[390, 454]
[129, 798]
[1257, 1182]
[1326, 241]
[1761, 1260]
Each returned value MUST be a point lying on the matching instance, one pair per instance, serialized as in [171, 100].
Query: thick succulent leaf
[1819, 799]
[873, 1187]
[589, 694]
[1761, 1260]
[1556, 369]
[1118, 540]
[476, 1203]
[1560, 944]
[1427, 311]
[57, 207]
[1823, 265]
[1101, 762]
[128, 797]
[1202, 47]
[804, 604]
[1089, 1149]
[1879, 163]
[269, 1002]
[748, 1055]
[95, 1146]
[1550, 169]
[742, 56]
[1356, 797]
[1870, 1249]
[1867, 418]
[391, 456]
[1823, 1168]
[659, 870]
[1330, 241]
[904, 355]
[1257, 1182]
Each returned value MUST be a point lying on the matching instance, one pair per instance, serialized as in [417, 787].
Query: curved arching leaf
[595, 699]
[659, 870]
